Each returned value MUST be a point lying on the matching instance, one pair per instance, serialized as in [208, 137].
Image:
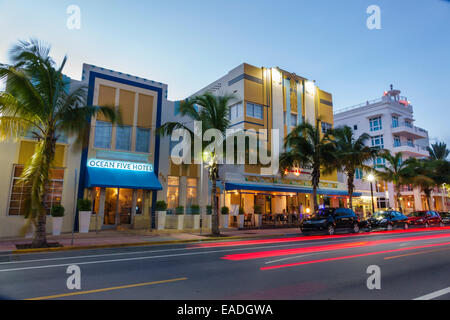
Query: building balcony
[411, 150]
[409, 131]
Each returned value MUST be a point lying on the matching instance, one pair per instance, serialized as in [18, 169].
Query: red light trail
[351, 256]
[332, 247]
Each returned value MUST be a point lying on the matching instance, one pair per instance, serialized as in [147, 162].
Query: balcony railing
[370, 102]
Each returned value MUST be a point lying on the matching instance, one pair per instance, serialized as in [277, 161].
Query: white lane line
[434, 294]
[303, 255]
[225, 249]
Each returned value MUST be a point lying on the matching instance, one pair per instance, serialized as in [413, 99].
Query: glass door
[125, 205]
[110, 206]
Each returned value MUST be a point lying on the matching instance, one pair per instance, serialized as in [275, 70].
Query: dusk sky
[188, 44]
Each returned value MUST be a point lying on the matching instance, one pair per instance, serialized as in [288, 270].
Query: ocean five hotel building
[124, 169]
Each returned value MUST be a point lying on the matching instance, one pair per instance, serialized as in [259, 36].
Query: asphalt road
[413, 264]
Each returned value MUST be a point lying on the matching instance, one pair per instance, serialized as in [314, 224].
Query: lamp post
[371, 179]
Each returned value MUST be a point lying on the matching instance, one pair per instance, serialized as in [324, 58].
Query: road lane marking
[288, 258]
[434, 294]
[415, 253]
[350, 256]
[107, 289]
[175, 249]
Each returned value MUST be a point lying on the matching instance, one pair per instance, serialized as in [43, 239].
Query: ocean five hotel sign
[120, 165]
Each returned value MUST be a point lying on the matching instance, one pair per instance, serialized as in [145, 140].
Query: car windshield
[322, 213]
[381, 214]
[417, 214]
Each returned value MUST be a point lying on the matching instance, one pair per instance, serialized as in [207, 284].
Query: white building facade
[389, 121]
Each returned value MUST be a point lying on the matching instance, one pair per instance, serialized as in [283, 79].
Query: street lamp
[371, 179]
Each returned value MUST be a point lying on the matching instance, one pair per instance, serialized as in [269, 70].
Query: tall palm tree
[396, 171]
[212, 111]
[438, 151]
[351, 154]
[38, 99]
[305, 145]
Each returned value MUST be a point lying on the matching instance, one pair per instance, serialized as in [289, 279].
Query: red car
[426, 218]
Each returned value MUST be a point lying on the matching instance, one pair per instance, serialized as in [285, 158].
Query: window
[142, 140]
[293, 120]
[19, 192]
[103, 132]
[394, 121]
[410, 143]
[382, 203]
[378, 142]
[408, 123]
[191, 191]
[326, 126]
[254, 110]
[375, 124]
[173, 184]
[379, 162]
[236, 111]
[397, 141]
[355, 127]
[358, 174]
[123, 138]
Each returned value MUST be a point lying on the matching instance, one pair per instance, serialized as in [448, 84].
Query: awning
[285, 188]
[126, 179]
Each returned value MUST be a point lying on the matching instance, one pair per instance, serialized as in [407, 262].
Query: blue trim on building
[90, 99]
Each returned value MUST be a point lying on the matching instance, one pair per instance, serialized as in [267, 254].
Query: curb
[139, 244]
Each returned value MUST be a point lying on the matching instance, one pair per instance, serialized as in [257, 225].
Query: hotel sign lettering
[120, 165]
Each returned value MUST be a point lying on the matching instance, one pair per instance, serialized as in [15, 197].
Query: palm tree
[438, 151]
[351, 154]
[306, 146]
[212, 112]
[397, 171]
[37, 99]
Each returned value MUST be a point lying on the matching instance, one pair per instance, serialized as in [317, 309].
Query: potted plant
[84, 214]
[224, 213]
[209, 210]
[195, 211]
[258, 215]
[161, 211]
[179, 211]
[57, 212]
[241, 217]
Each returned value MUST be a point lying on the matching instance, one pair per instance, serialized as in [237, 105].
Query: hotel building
[266, 98]
[389, 121]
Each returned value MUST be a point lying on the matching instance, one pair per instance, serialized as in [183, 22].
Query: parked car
[426, 218]
[445, 216]
[387, 220]
[330, 220]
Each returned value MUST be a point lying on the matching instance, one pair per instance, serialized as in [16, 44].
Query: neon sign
[120, 165]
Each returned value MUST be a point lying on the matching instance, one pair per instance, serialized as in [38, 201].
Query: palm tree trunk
[40, 239]
[350, 186]
[314, 195]
[399, 201]
[215, 217]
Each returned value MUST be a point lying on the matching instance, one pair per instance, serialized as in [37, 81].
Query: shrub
[195, 209]
[225, 210]
[84, 205]
[179, 210]
[161, 205]
[57, 211]
[209, 210]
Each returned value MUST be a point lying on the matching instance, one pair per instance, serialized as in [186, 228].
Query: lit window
[375, 124]
[20, 192]
[191, 191]
[103, 132]
[173, 185]
[142, 140]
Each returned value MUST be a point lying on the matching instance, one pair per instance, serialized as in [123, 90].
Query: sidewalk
[117, 238]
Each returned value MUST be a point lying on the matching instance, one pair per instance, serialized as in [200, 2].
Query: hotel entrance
[118, 206]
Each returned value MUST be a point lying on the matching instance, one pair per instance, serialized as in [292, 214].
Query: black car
[387, 220]
[330, 220]
[445, 216]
